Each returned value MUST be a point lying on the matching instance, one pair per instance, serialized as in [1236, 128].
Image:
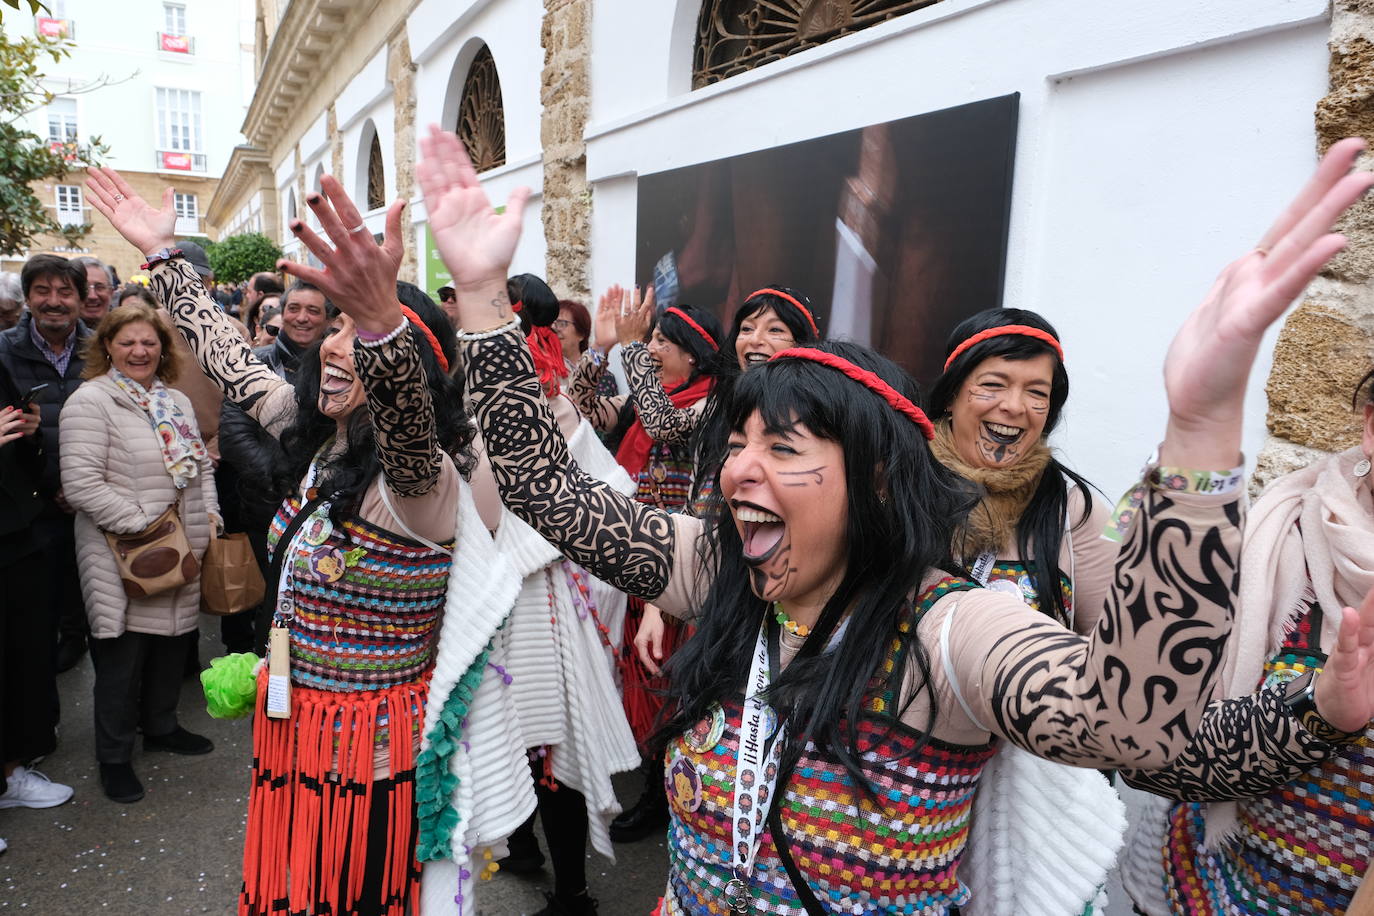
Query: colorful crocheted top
[366, 604]
[900, 856]
[665, 481]
[1299, 849]
[1013, 577]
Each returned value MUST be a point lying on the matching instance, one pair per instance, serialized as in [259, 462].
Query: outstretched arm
[216, 342]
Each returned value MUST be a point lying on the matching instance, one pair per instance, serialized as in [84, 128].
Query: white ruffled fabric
[494, 793]
[1142, 864]
[1043, 838]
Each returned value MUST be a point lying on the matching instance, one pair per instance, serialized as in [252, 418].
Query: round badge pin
[706, 734]
[317, 530]
[327, 564]
[1006, 586]
[684, 785]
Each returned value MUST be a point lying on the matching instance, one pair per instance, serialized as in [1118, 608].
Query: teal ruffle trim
[435, 784]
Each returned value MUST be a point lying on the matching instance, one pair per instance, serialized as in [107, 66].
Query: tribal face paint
[999, 412]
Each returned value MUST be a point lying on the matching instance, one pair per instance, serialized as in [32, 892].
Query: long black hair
[539, 305]
[1040, 530]
[705, 357]
[348, 474]
[901, 508]
[709, 438]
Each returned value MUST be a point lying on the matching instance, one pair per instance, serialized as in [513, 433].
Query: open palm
[145, 227]
[1210, 358]
[1345, 690]
[475, 242]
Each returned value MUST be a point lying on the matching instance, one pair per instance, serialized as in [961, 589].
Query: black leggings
[564, 812]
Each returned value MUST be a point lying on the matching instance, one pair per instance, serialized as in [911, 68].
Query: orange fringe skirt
[311, 801]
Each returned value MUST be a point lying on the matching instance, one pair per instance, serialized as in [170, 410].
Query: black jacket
[21, 466]
[281, 356]
[28, 367]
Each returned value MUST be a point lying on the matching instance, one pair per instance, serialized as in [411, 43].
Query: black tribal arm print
[602, 412]
[1131, 694]
[402, 414]
[623, 542]
[1245, 747]
[1133, 691]
[662, 421]
[221, 351]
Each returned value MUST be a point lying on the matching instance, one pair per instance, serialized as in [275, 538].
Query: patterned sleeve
[1133, 692]
[622, 542]
[219, 347]
[402, 414]
[1244, 748]
[662, 421]
[603, 412]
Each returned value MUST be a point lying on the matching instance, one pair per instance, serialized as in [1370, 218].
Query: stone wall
[103, 241]
[565, 93]
[1327, 343]
[400, 72]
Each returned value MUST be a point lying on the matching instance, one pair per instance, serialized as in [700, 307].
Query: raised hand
[359, 275]
[147, 228]
[1345, 690]
[1210, 358]
[607, 312]
[635, 318]
[475, 242]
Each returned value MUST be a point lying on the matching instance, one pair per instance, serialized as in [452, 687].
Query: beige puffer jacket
[114, 477]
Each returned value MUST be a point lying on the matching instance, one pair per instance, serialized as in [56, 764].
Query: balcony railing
[178, 161]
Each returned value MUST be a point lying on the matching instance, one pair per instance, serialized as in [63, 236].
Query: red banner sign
[179, 161]
[179, 44]
[53, 28]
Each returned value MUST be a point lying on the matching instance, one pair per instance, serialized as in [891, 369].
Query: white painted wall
[118, 40]
[1156, 142]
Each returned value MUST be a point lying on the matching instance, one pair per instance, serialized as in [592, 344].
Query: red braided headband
[792, 299]
[429, 335]
[1002, 331]
[869, 380]
[674, 310]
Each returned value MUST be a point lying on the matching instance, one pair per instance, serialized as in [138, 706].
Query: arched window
[481, 115]
[319, 173]
[376, 176]
[734, 36]
[290, 210]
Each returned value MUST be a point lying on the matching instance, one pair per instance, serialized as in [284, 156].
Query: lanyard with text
[982, 567]
[761, 738]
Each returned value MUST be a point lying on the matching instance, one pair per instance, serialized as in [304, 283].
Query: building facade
[1154, 142]
[164, 84]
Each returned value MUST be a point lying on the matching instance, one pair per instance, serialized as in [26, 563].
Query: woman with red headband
[672, 375]
[833, 772]
[374, 438]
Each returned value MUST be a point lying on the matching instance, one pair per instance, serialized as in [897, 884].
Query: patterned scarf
[182, 449]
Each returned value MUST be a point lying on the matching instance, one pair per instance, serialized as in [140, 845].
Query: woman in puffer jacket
[131, 448]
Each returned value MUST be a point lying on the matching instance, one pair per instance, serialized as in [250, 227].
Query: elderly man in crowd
[99, 290]
[42, 354]
[11, 300]
[260, 286]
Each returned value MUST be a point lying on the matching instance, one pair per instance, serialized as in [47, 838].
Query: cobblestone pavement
[178, 850]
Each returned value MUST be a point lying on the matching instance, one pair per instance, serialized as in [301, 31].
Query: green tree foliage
[26, 157]
[238, 257]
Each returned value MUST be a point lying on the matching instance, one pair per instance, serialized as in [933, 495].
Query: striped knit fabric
[665, 480]
[898, 858]
[1301, 849]
[1027, 588]
[375, 625]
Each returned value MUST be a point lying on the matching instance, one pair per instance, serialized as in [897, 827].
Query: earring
[1362, 467]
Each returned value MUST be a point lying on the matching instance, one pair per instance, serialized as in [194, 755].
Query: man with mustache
[44, 349]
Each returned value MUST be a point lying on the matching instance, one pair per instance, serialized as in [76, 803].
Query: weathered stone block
[1276, 458]
[1319, 357]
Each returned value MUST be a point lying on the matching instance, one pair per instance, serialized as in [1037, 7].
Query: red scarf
[634, 448]
[547, 351]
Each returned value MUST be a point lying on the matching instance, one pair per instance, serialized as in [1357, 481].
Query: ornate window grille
[376, 176]
[734, 36]
[481, 115]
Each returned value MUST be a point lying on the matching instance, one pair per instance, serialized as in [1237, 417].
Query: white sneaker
[31, 789]
[3, 844]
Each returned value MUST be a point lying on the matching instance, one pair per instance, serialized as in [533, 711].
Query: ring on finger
[1262, 250]
[118, 198]
[358, 228]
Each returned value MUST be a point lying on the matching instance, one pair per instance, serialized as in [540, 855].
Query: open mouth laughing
[1002, 435]
[761, 531]
[335, 381]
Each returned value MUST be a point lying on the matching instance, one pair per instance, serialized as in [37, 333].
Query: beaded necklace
[788, 624]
